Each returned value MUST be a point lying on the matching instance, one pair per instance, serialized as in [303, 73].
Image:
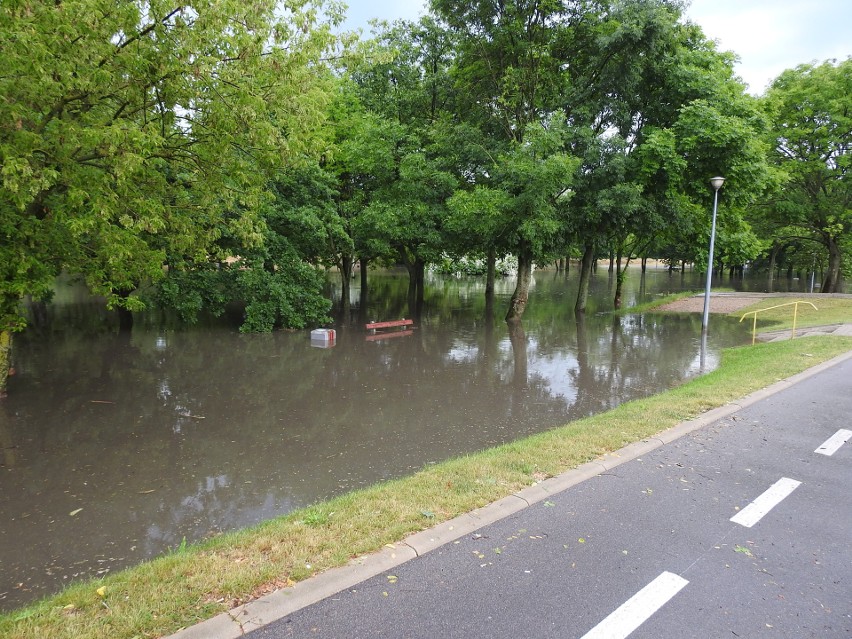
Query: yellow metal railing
[795, 306]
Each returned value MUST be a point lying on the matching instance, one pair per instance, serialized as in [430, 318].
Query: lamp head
[717, 182]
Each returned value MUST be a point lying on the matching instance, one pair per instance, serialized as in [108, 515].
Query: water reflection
[118, 446]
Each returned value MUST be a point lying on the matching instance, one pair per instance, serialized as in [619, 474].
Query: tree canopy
[811, 138]
[136, 134]
[232, 151]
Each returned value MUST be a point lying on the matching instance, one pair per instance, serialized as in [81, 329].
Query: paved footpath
[742, 527]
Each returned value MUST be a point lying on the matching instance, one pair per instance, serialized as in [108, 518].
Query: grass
[182, 588]
[830, 310]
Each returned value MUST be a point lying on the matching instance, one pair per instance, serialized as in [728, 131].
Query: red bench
[401, 324]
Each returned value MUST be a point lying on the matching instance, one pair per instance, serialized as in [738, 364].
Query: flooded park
[118, 446]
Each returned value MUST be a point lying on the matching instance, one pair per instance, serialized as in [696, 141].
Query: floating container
[323, 337]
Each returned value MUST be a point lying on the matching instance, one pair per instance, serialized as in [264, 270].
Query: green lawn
[829, 310]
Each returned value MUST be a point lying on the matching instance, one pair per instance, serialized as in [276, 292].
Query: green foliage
[810, 137]
[739, 244]
[147, 142]
[136, 134]
[208, 288]
[287, 297]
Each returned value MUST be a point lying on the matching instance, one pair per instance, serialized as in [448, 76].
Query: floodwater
[116, 447]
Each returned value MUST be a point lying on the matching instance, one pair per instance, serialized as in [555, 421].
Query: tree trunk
[363, 298]
[490, 273]
[620, 276]
[345, 266]
[831, 283]
[420, 275]
[773, 256]
[363, 263]
[5, 359]
[518, 303]
[416, 283]
[619, 285]
[585, 276]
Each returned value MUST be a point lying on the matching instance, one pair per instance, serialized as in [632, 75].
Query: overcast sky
[767, 35]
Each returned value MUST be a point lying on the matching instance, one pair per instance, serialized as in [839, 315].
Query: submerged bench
[377, 329]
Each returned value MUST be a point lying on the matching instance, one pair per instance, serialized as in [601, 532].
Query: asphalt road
[648, 549]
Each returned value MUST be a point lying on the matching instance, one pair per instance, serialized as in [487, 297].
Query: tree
[135, 134]
[509, 77]
[663, 114]
[811, 137]
[408, 94]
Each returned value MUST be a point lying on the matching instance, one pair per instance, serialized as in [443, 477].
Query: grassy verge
[829, 310]
[191, 584]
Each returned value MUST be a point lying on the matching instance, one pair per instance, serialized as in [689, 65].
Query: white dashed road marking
[833, 443]
[755, 511]
[639, 608]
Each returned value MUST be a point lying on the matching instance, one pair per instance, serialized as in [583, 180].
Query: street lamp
[716, 183]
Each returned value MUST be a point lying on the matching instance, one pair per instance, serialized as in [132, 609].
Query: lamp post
[716, 183]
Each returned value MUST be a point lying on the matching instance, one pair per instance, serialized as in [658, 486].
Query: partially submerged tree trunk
[518, 303]
[620, 276]
[490, 274]
[365, 291]
[585, 276]
[416, 268]
[416, 285]
[345, 265]
[363, 263]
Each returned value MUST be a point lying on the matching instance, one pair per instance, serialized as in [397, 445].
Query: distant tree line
[222, 150]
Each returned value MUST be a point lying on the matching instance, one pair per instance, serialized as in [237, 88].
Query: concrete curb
[279, 604]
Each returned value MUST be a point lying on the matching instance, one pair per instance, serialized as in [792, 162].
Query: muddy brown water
[117, 447]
